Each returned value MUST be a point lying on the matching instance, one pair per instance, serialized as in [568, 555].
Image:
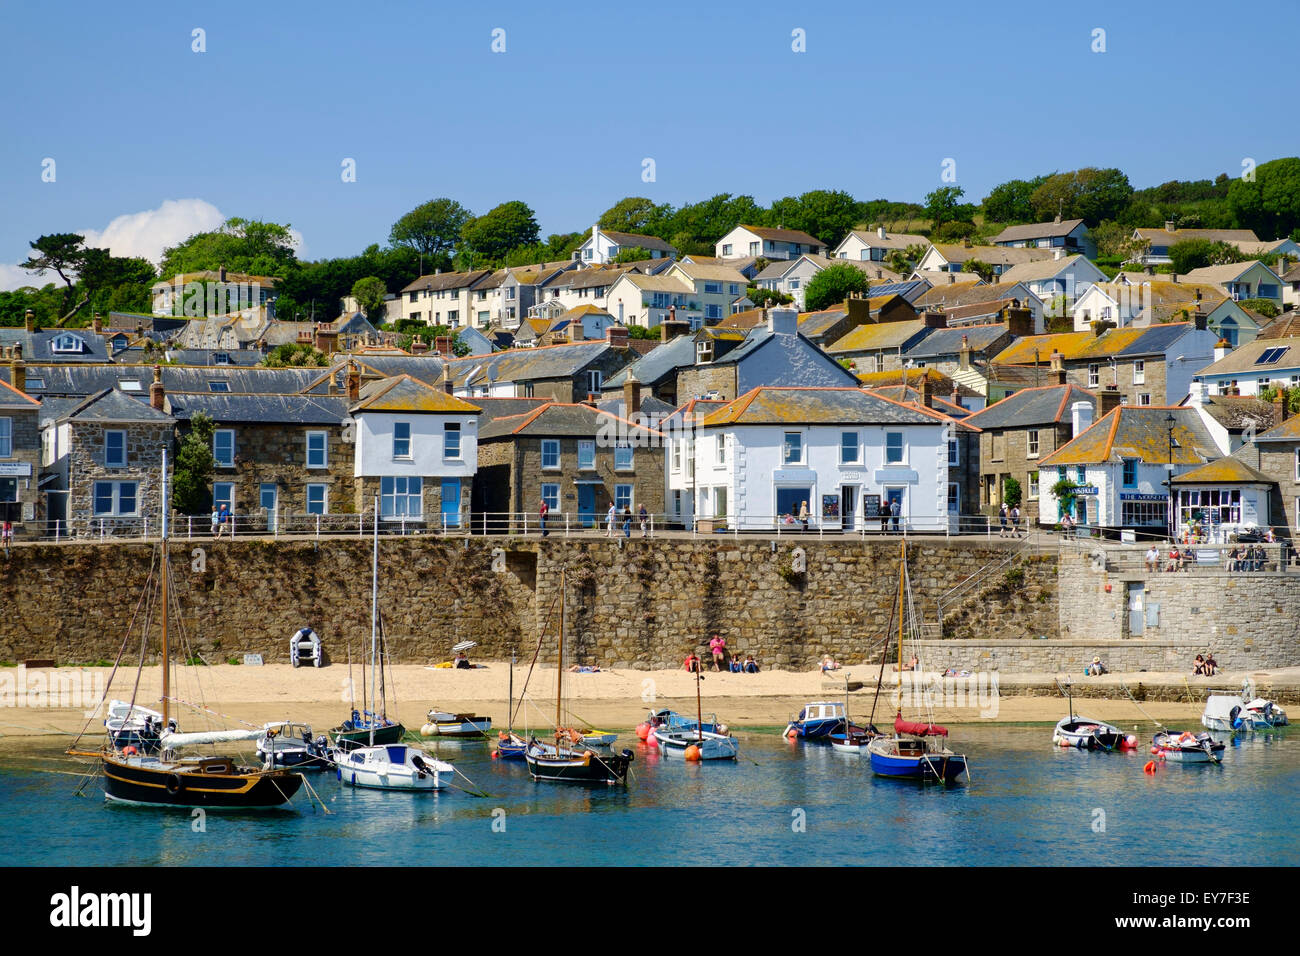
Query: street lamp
[1170, 422]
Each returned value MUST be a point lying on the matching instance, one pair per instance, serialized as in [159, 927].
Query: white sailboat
[392, 767]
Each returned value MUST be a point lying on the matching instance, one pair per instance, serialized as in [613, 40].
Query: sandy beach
[614, 699]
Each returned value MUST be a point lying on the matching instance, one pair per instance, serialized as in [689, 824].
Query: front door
[895, 496]
[451, 503]
[586, 505]
[1136, 608]
[848, 506]
[269, 499]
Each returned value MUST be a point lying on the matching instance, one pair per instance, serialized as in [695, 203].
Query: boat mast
[902, 572]
[510, 707]
[166, 664]
[699, 708]
[374, 615]
[559, 674]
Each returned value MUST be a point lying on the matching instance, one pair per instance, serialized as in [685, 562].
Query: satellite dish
[493, 373]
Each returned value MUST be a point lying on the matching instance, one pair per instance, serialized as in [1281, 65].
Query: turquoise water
[1028, 803]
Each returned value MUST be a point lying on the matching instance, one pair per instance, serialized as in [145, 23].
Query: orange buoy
[692, 752]
[643, 729]
[495, 755]
[1150, 767]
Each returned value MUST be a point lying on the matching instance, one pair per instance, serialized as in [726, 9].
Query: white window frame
[217, 460]
[857, 448]
[406, 454]
[1139, 372]
[954, 453]
[324, 448]
[785, 448]
[449, 429]
[115, 509]
[110, 462]
[587, 451]
[677, 457]
[1032, 443]
[551, 443]
[1033, 486]
[902, 448]
[551, 495]
[624, 449]
[1094, 376]
[631, 497]
[720, 450]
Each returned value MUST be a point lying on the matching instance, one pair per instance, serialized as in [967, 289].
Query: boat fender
[175, 784]
[1149, 767]
[692, 752]
[1130, 742]
[428, 730]
[130, 751]
[496, 754]
[791, 732]
[722, 728]
[652, 742]
[643, 729]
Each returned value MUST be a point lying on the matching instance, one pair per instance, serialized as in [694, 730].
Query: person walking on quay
[645, 520]
[1002, 520]
[542, 510]
[609, 520]
[1015, 521]
[216, 521]
[894, 511]
[882, 509]
[803, 515]
[226, 526]
[627, 521]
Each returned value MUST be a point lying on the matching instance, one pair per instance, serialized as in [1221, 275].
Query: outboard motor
[418, 763]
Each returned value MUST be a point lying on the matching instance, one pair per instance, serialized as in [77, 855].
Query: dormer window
[68, 343]
[704, 352]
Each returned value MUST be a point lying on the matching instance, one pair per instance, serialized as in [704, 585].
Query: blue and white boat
[910, 754]
[673, 721]
[818, 720]
[130, 725]
[1230, 711]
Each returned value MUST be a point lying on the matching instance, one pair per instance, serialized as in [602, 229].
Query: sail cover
[174, 741]
[917, 729]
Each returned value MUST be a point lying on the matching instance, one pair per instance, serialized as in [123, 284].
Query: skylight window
[218, 386]
[129, 385]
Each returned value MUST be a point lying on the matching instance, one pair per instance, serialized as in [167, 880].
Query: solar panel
[1269, 356]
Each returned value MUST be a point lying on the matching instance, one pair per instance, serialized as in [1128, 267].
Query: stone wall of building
[641, 604]
[1249, 619]
[277, 454]
[144, 447]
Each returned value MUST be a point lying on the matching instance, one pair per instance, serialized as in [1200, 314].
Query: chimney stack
[782, 321]
[1221, 349]
[1057, 361]
[327, 339]
[442, 345]
[1082, 415]
[923, 390]
[418, 345]
[952, 278]
[97, 324]
[18, 369]
[447, 384]
[29, 320]
[880, 232]
[963, 355]
[1171, 225]
[631, 395]
[156, 393]
[934, 319]
[1200, 320]
[1108, 399]
[616, 337]
[1020, 320]
[354, 382]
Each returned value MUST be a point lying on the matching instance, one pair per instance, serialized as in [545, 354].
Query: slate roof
[10, 397]
[658, 365]
[993, 255]
[82, 380]
[949, 341]
[912, 396]
[879, 335]
[556, 420]
[629, 239]
[243, 358]
[519, 365]
[494, 408]
[1227, 272]
[783, 235]
[1037, 230]
[260, 409]
[112, 406]
[1239, 412]
[447, 280]
[911, 289]
[1048, 405]
[38, 346]
[768, 405]
[1224, 471]
[1139, 431]
[1288, 431]
[896, 240]
[1245, 358]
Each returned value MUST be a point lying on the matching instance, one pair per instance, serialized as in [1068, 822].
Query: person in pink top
[718, 648]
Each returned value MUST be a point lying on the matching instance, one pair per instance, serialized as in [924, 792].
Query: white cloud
[146, 234]
[12, 277]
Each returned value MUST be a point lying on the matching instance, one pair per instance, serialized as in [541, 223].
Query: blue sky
[259, 124]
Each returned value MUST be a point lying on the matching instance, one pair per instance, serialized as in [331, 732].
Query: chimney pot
[29, 320]
[354, 382]
[17, 369]
[156, 392]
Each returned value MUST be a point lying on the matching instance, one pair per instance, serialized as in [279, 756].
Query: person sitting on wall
[1095, 669]
[911, 665]
[751, 665]
[1198, 666]
[1211, 665]
[692, 663]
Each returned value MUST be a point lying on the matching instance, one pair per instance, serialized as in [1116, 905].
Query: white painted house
[604, 245]
[762, 241]
[416, 449]
[843, 453]
[1057, 282]
[862, 246]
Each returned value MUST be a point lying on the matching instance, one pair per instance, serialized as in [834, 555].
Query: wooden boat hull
[346, 740]
[576, 766]
[170, 785]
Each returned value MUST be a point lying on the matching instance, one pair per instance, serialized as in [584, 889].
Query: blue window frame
[316, 445]
[223, 447]
[893, 448]
[623, 458]
[1130, 472]
[551, 495]
[586, 455]
[451, 440]
[316, 499]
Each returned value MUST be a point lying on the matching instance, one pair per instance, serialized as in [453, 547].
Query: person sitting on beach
[751, 665]
[584, 669]
[911, 665]
[828, 664]
[461, 661]
[1198, 666]
[735, 666]
[1096, 668]
[692, 663]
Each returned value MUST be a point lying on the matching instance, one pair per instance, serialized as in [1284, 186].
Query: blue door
[586, 505]
[451, 503]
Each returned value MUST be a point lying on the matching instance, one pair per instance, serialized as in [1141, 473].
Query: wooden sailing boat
[166, 780]
[511, 746]
[366, 728]
[568, 760]
[696, 743]
[912, 751]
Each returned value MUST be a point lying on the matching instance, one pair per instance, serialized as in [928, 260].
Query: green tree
[63, 253]
[1064, 493]
[944, 205]
[1188, 254]
[369, 293]
[1089, 194]
[632, 254]
[1270, 204]
[979, 267]
[241, 245]
[1011, 492]
[192, 473]
[635, 214]
[827, 214]
[1010, 202]
[1265, 307]
[432, 228]
[764, 297]
[295, 355]
[832, 286]
[499, 230]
